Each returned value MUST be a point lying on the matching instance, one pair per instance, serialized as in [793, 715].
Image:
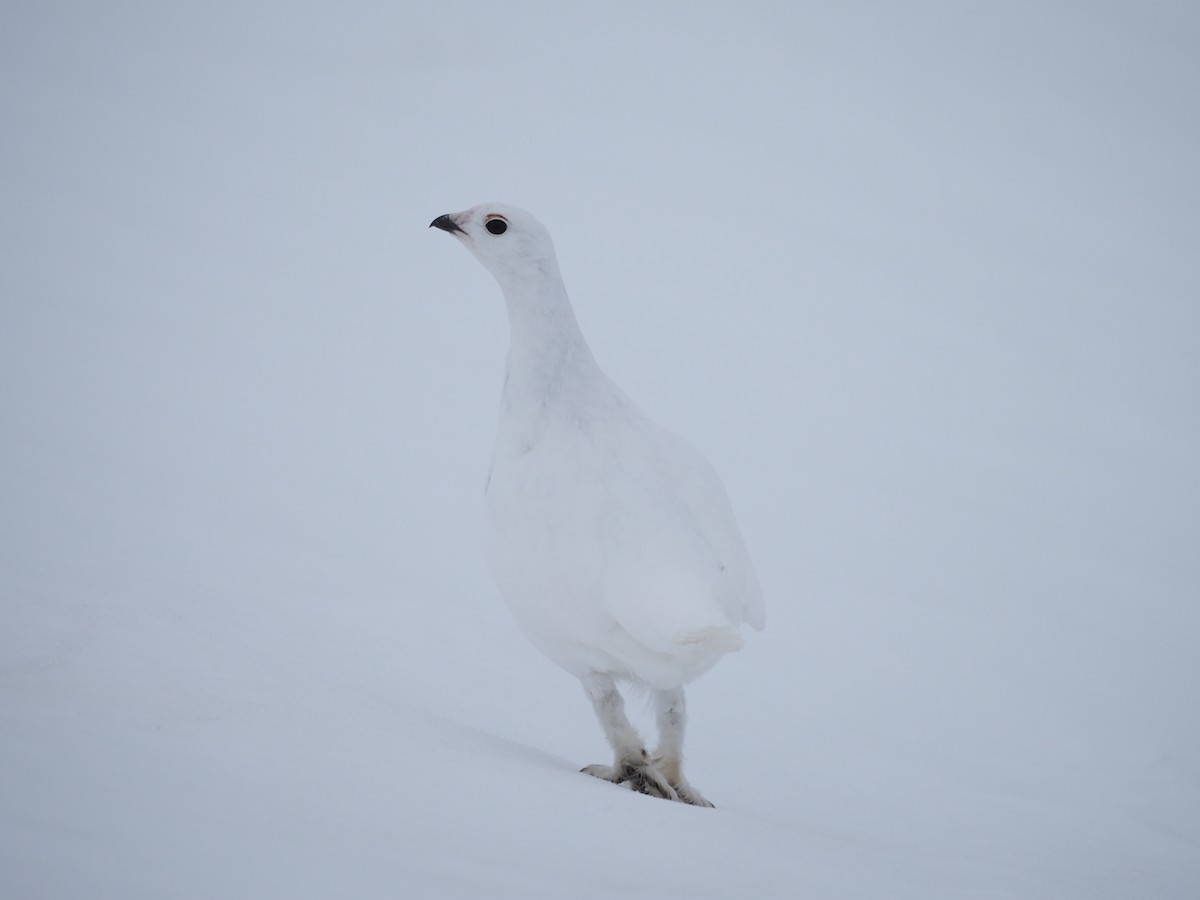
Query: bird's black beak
[446, 224]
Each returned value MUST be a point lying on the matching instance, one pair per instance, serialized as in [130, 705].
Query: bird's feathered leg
[632, 765]
[671, 709]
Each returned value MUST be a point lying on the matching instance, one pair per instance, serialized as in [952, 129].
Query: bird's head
[513, 245]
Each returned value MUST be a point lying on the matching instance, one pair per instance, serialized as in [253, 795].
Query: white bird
[611, 539]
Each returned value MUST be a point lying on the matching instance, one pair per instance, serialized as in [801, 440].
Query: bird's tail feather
[720, 638]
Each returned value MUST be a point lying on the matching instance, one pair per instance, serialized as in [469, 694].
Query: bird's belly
[546, 555]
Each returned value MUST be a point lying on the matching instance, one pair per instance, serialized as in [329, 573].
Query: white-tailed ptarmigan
[611, 539]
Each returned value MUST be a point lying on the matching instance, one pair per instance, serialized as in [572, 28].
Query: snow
[939, 262]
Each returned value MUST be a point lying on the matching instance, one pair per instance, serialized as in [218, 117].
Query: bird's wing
[694, 571]
[703, 499]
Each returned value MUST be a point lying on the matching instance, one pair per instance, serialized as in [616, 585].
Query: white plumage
[611, 539]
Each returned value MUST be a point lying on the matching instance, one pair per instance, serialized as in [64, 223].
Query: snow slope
[921, 282]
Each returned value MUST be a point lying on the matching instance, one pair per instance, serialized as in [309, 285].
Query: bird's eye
[496, 226]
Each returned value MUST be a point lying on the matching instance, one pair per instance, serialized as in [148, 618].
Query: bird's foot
[669, 767]
[645, 778]
[689, 794]
[640, 775]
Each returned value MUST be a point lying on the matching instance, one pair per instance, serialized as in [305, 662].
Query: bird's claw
[644, 778]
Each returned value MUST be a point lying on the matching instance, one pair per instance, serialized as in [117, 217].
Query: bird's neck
[547, 350]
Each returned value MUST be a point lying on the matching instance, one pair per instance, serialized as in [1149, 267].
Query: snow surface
[920, 279]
